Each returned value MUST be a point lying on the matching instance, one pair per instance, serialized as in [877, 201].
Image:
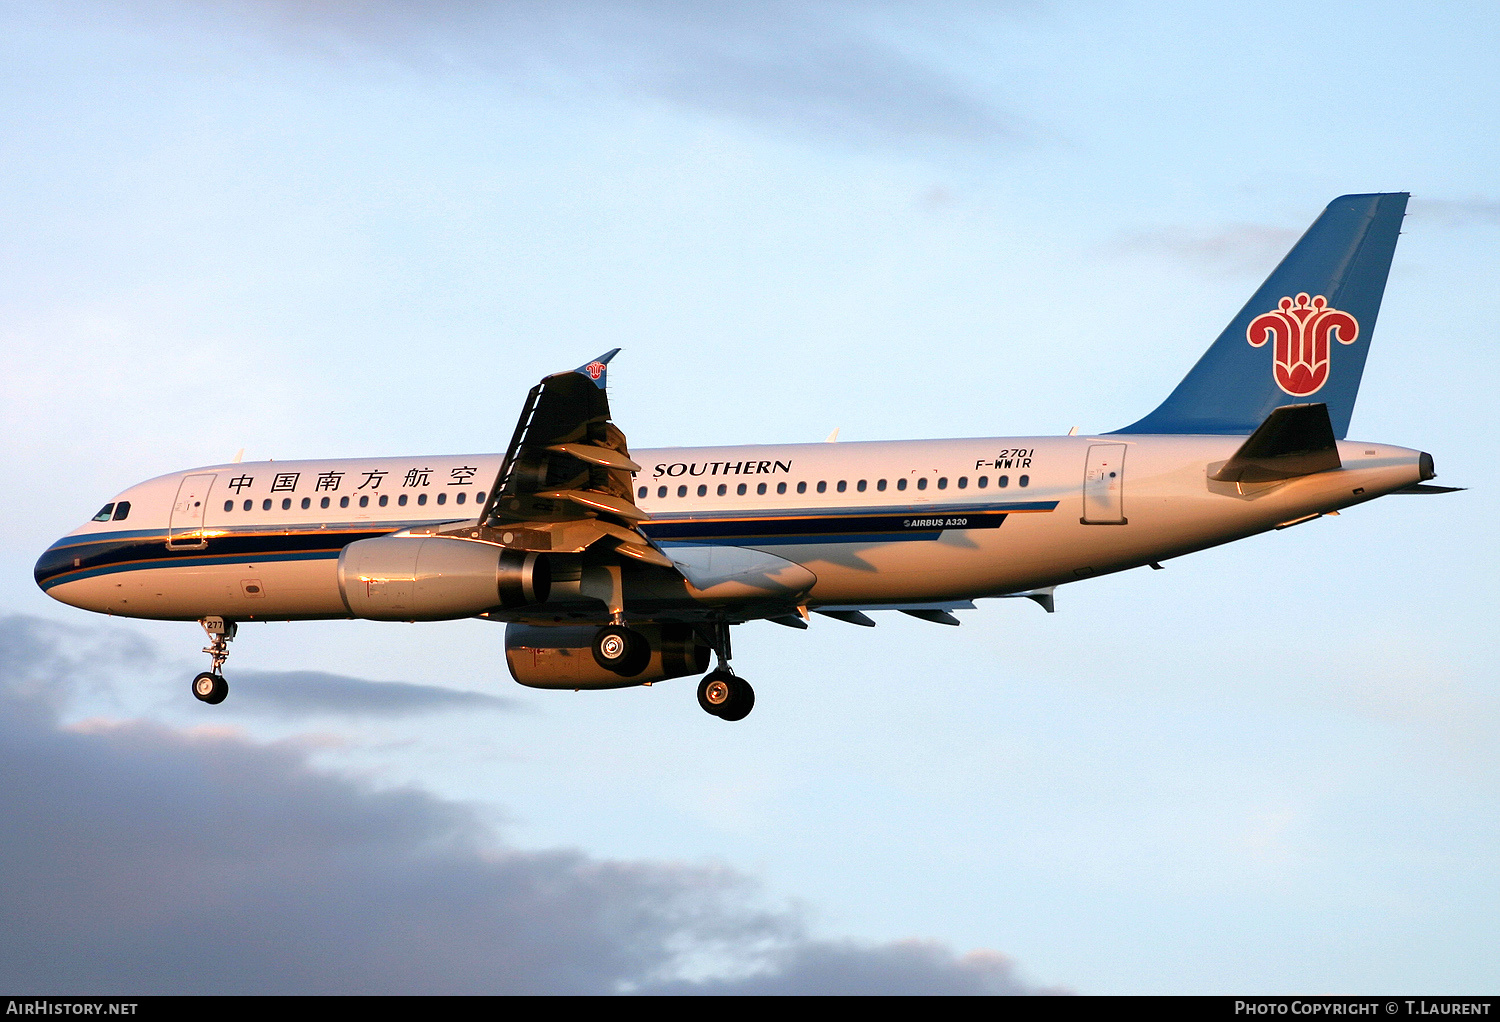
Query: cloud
[813, 68]
[299, 692]
[144, 859]
[1232, 250]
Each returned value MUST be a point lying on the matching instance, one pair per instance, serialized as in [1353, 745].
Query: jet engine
[437, 578]
[562, 656]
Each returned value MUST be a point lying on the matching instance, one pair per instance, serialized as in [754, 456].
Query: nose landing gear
[210, 686]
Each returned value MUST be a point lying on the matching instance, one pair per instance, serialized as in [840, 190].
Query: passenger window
[344, 501]
[702, 490]
[723, 489]
[479, 497]
[384, 499]
[105, 512]
[860, 486]
[843, 485]
[740, 489]
[364, 501]
[229, 505]
[900, 484]
[1003, 482]
[682, 491]
[249, 504]
[802, 487]
[963, 482]
[943, 483]
[286, 503]
[761, 489]
[322, 503]
[265, 505]
[922, 483]
[822, 486]
[421, 500]
[307, 502]
[400, 501]
[880, 486]
[984, 481]
[1025, 480]
[641, 493]
[122, 511]
[781, 487]
[458, 498]
[661, 491]
[442, 498]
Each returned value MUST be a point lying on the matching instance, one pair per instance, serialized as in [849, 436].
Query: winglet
[595, 370]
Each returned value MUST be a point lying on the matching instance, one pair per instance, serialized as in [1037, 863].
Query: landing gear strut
[210, 686]
[722, 692]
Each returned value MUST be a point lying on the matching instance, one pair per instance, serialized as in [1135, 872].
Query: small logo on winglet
[594, 369]
[1302, 328]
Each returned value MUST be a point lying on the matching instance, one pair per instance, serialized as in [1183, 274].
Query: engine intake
[438, 578]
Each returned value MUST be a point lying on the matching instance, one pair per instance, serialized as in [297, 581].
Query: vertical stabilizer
[1305, 333]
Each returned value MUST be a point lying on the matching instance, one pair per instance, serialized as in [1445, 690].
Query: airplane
[611, 568]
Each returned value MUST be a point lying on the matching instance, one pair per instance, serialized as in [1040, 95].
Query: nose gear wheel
[210, 688]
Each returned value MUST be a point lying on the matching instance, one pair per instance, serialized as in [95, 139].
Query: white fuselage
[878, 522]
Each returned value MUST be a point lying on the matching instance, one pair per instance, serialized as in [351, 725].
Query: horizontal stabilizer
[1429, 488]
[1295, 440]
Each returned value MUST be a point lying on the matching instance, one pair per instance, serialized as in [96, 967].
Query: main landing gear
[210, 686]
[618, 649]
[726, 695]
[722, 692]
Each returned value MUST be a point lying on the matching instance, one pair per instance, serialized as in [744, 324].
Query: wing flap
[595, 455]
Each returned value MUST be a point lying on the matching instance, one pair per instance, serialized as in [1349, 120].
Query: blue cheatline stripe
[855, 512]
[89, 556]
[64, 563]
[183, 562]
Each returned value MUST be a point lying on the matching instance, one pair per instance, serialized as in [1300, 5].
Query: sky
[358, 229]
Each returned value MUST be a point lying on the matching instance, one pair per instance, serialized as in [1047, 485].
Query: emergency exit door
[1104, 485]
[185, 527]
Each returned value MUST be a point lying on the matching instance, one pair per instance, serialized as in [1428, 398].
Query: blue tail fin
[1304, 335]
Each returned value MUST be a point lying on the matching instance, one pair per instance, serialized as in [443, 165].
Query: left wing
[566, 480]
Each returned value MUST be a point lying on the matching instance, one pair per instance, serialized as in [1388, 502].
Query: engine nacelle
[437, 578]
[562, 656]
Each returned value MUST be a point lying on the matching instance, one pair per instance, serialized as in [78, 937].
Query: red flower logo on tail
[594, 369]
[1302, 329]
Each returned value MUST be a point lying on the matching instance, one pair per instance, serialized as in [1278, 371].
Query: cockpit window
[122, 510]
[105, 512]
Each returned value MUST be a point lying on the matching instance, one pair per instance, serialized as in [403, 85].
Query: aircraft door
[1104, 485]
[185, 527]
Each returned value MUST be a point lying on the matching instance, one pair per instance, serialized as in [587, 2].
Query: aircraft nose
[55, 563]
